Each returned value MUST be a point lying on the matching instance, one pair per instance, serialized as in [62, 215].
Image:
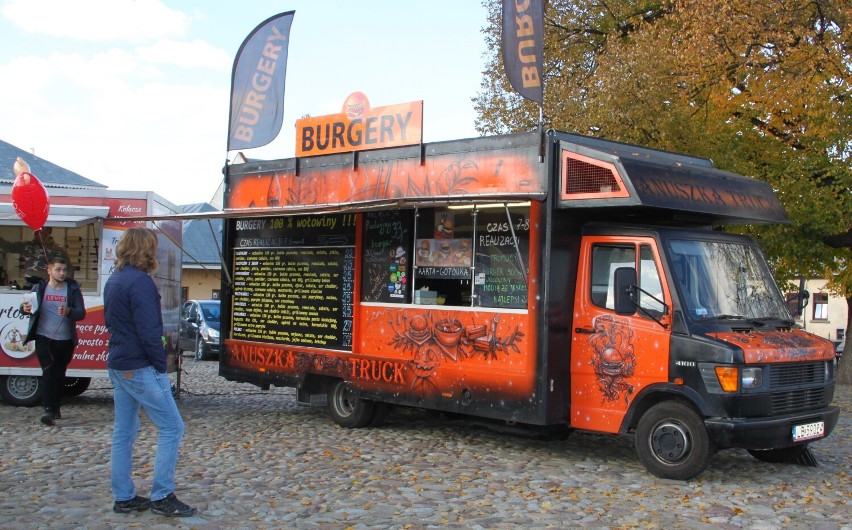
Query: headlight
[213, 333]
[752, 378]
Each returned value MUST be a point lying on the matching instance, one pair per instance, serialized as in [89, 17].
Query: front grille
[793, 375]
[797, 400]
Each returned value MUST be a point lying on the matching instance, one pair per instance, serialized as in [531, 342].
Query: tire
[786, 455]
[21, 390]
[74, 386]
[200, 350]
[672, 442]
[346, 409]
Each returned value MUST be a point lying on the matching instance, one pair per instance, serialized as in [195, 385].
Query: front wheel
[21, 390]
[200, 350]
[785, 455]
[346, 409]
[672, 442]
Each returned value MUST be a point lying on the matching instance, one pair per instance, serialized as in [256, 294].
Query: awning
[60, 215]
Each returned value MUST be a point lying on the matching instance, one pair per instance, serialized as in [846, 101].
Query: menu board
[294, 280]
[386, 256]
[501, 252]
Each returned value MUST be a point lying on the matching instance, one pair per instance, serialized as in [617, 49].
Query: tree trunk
[844, 370]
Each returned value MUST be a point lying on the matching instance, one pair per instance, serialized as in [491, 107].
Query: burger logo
[356, 105]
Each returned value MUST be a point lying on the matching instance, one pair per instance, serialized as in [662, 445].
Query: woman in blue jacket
[137, 368]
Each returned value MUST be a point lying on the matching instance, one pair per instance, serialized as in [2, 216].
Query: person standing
[59, 305]
[137, 368]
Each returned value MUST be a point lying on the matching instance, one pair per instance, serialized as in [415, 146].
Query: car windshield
[211, 312]
[725, 280]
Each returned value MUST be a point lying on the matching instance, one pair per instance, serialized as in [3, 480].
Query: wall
[201, 283]
[837, 312]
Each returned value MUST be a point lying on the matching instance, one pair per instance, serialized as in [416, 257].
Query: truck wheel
[21, 390]
[346, 409]
[200, 350]
[784, 455]
[74, 386]
[672, 442]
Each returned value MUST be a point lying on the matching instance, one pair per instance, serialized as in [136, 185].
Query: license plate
[808, 431]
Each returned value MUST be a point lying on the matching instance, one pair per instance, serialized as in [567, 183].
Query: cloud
[195, 54]
[134, 21]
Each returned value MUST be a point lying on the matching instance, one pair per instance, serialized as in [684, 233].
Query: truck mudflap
[774, 432]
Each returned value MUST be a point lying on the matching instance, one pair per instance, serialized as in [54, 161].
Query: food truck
[83, 226]
[543, 280]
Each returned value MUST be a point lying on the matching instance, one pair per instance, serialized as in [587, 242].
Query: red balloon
[30, 200]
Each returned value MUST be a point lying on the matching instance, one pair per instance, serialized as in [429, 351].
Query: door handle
[590, 331]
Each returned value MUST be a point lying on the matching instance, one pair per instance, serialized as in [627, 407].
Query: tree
[762, 87]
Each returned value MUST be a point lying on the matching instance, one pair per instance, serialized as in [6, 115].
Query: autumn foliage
[762, 87]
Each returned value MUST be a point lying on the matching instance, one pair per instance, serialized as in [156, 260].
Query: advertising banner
[523, 47]
[257, 84]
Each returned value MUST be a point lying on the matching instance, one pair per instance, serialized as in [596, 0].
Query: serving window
[22, 256]
[474, 256]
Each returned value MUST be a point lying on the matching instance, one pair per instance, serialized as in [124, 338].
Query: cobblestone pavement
[254, 459]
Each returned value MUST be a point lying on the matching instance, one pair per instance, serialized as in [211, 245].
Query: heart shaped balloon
[29, 197]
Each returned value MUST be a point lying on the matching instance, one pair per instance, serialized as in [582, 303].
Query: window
[820, 306]
[427, 256]
[607, 258]
[22, 256]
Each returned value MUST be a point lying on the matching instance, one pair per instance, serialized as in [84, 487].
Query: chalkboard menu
[294, 280]
[386, 256]
[500, 281]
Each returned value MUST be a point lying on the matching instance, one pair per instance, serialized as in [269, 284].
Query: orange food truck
[84, 229]
[545, 280]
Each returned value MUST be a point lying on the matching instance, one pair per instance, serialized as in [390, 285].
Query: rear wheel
[346, 409]
[785, 455]
[672, 442]
[74, 386]
[21, 390]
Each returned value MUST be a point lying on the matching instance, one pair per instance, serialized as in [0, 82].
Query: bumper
[766, 433]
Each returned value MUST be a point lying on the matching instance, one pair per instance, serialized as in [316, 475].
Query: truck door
[614, 356]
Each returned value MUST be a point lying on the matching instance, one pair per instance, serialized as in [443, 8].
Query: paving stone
[254, 459]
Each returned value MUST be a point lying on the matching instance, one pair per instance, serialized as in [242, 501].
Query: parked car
[199, 327]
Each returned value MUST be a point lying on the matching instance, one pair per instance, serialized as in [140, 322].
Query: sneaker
[137, 504]
[47, 418]
[57, 415]
[170, 506]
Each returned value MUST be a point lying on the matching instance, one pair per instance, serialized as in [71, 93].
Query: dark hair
[57, 259]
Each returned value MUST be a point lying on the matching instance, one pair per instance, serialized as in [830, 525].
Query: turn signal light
[728, 377]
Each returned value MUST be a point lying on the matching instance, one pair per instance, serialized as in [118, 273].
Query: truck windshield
[725, 280]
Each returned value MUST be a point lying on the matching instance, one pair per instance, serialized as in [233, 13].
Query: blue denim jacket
[134, 320]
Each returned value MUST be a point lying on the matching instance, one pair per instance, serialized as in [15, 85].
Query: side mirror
[625, 283]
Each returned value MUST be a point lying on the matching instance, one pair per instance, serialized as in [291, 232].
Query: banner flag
[257, 84]
[523, 47]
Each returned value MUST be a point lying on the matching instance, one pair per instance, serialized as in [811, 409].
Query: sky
[135, 94]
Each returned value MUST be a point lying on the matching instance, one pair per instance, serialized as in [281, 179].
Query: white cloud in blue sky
[134, 94]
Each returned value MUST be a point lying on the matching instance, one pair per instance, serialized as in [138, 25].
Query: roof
[201, 244]
[50, 174]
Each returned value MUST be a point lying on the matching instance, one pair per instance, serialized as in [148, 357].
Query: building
[202, 254]
[825, 315]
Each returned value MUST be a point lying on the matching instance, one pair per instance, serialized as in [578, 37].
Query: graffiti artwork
[614, 361]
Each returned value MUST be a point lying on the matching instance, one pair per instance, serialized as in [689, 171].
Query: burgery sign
[358, 127]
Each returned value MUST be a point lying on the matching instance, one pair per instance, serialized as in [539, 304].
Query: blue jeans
[152, 390]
